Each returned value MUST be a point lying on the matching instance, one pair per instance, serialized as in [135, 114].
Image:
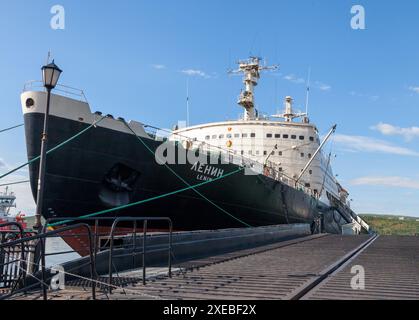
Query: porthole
[30, 103]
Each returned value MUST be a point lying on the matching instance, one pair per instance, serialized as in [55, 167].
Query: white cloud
[294, 79]
[414, 89]
[363, 95]
[316, 84]
[396, 182]
[322, 86]
[390, 130]
[159, 66]
[366, 144]
[198, 73]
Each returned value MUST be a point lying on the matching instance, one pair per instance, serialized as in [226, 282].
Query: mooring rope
[11, 128]
[146, 200]
[53, 149]
[183, 180]
[190, 187]
[14, 183]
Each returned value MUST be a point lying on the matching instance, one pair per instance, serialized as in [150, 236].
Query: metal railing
[267, 169]
[12, 259]
[110, 239]
[144, 251]
[67, 91]
[40, 239]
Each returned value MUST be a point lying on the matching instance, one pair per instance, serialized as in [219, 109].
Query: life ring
[229, 144]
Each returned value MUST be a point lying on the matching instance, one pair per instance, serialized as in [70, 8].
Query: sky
[134, 58]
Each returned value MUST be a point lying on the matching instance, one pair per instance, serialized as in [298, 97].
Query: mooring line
[53, 149]
[183, 180]
[146, 200]
[11, 128]
[14, 183]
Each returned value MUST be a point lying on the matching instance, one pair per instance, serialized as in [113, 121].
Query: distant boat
[7, 201]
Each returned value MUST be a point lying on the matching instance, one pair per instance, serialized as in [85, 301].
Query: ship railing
[106, 240]
[64, 90]
[230, 156]
[30, 262]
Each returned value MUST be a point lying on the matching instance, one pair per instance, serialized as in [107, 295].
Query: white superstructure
[280, 143]
[7, 201]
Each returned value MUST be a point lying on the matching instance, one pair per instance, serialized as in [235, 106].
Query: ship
[7, 202]
[255, 171]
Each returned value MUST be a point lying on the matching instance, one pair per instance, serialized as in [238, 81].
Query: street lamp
[50, 75]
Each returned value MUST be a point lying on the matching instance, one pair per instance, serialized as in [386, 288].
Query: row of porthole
[265, 153]
[253, 135]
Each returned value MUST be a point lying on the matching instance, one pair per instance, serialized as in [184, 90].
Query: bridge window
[244, 135]
[237, 135]
[311, 172]
[285, 136]
[242, 152]
[302, 155]
[221, 136]
[269, 135]
[293, 137]
[214, 137]
[265, 153]
[311, 139]
[277, 136]
[253, 135]
[207, 137]
[301, 137]
[280, 169]
[280, 153]
[309, 155]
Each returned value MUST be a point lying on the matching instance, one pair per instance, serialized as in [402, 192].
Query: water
[56, 245]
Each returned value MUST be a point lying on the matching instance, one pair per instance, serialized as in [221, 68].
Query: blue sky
[132, 58]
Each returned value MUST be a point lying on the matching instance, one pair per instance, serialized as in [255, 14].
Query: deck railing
[67, 91]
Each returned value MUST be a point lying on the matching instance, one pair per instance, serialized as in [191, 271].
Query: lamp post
[50, 75]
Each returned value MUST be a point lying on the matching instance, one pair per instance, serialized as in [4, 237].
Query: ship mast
[289, 114]
[251, 69]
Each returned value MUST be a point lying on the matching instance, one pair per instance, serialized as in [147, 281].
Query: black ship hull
[104, 168]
